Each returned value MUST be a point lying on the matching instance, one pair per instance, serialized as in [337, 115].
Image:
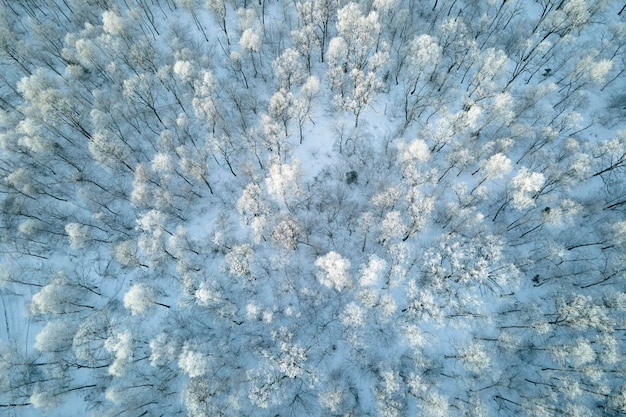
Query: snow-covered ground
[317, 207]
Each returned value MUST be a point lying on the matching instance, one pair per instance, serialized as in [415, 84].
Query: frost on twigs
[163, 350]
[205, 153]
[193, 363]
[334, 271]
[287, 233]
[60, 296]
[526, 184]
[371, 273]
[120, 346]
[353, 316]
[331, 400]
[79, 235]
[250, 40]
[475, 358]
[282, 182]
[126, 253]
[56, 336]
[239, 259]
[497, 166]
[44, 399]
[139, 298]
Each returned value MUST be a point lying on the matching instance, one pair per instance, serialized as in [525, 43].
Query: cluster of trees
[316, 207]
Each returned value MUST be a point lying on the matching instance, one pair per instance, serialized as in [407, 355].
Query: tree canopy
[316, 207]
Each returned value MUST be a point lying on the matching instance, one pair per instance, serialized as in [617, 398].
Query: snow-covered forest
[313, 208]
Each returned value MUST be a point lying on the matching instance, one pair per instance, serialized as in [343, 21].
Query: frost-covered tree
[334, 271]
[526, 184]
[423, 55]
[312, 208]
[356, 60]
[289, 69]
